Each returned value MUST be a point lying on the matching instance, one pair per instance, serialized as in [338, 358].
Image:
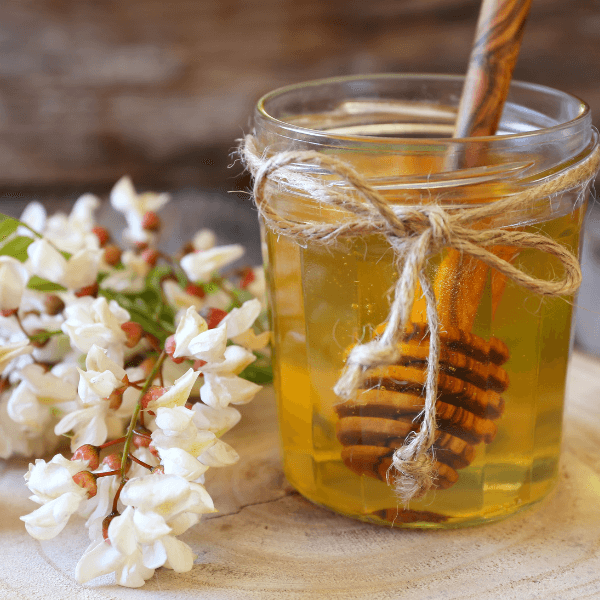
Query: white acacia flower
[91, 419]
[217, 420]
[91, 425]
[102, 377]
[167, 496]
[176, 429]
[178, 394]
[92, 321]
[121, 554]
[179, 298]
[177, 461]
[73, 233]
[199, 266]
[205, 239]
[219, 391]
[17, 440]
[13, 279]
[236, 360]
[79, 271]
[31, 401]
[8, 352]
[70, 233]
[193, 338]
[220, 454]
[53, 487]
[239, 322]
[134, 206]
[34, 216]
[142, 538]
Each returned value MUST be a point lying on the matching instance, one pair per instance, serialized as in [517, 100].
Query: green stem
[136, 412]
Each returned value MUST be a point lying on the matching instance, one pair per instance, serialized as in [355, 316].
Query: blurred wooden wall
[92, 89]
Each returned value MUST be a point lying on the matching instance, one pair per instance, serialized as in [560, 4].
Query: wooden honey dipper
[471, 376]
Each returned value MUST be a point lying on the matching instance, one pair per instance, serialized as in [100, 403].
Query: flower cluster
[135, 358]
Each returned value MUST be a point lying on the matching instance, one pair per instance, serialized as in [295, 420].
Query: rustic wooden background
[160, 89]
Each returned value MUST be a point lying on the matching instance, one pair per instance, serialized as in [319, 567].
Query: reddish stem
[140, 462]
[108, 473]
[118, 494]
[112, 443]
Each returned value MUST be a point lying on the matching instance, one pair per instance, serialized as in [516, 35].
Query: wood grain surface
[495, 50]
[269, 543]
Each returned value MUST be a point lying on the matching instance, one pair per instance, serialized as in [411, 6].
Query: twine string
[415, 233]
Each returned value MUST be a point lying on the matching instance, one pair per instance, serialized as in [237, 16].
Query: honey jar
[503, 347]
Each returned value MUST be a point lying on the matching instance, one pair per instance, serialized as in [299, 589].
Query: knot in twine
[415, 233]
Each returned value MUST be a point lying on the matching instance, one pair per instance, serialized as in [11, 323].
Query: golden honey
[325, 300]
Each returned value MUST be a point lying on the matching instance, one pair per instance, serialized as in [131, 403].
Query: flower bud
[213, 316]
[147, 365]
[89, 453]
[113, 461]
[152, 394]
[198, 364]
[195, 290]
[37, 338]
[53, 305]
[170, 347]
[134, 333]
[88, 290]
[116, 398]
[151, 221]
[140, 246]
[247, 277]
[141, 437]
[106, 523]
[112, 255]
[150, 256]
[153, 341]
[102, 234]
[87, 481]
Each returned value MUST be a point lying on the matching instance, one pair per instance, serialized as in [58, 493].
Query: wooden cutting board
[269, 543]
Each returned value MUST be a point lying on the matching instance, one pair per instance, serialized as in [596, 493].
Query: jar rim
[261, 110]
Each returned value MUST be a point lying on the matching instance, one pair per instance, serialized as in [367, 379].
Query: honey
[325, 300]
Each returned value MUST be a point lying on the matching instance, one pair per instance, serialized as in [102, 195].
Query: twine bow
[415, 233]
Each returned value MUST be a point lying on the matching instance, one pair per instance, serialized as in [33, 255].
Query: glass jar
[501, 394]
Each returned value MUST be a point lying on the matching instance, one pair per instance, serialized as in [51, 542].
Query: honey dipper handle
[461, 280]
[493, 57]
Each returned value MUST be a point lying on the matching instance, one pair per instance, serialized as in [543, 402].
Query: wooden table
[267, 542]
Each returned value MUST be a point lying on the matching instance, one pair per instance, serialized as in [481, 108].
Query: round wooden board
[267, 542]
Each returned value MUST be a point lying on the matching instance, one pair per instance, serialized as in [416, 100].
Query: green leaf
[7, 226]
[261, 375]
[17, 248]
[43, 285]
